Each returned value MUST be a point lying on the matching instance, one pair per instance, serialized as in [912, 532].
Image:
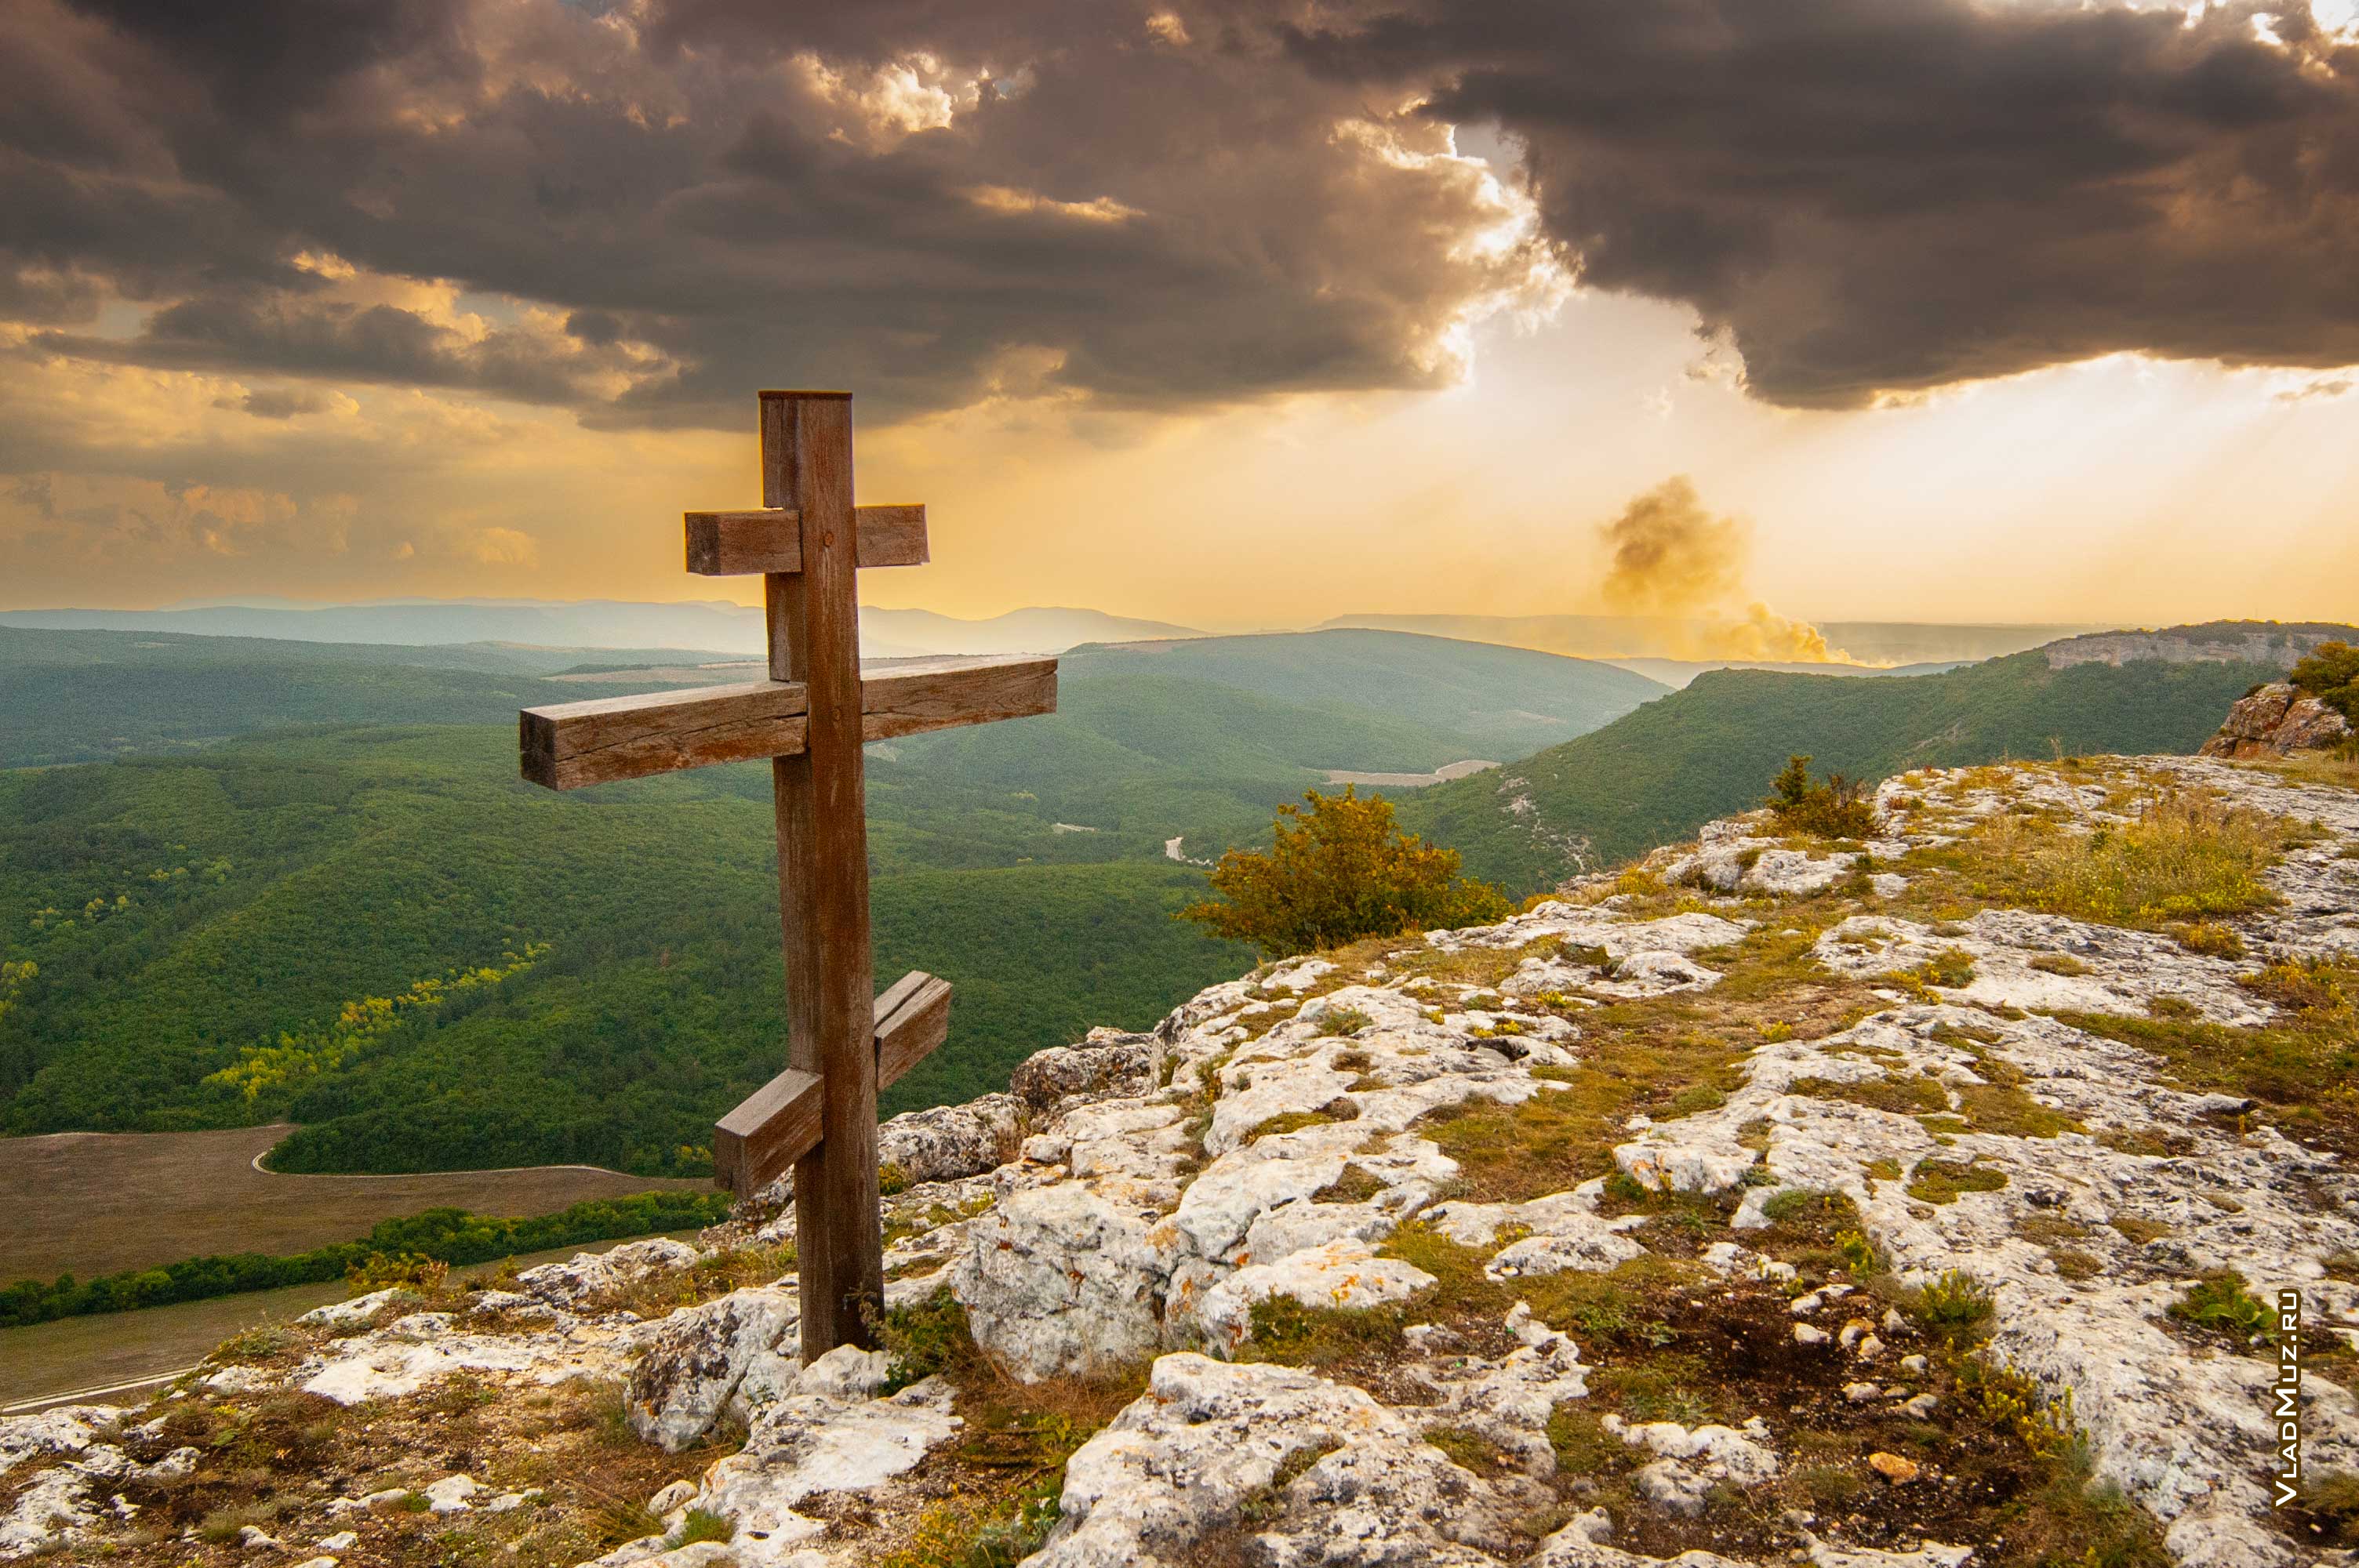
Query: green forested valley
[383, 936]
[1663, 771]
[373, 929]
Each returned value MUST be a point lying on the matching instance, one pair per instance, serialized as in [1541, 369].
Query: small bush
[2213, 939]
[1951, 968]
[1343, 1020]
[926, 1338]
[2330, 674]
[703, 1524]
[2011, 1400]
[2221, 1302]
[1828, 1486]
[1287, 1332]
[2332, 1497]
[1804, 1203]
[1939, 1182]
[1338, 870]
[1838, 808]
[2185, 860]
[1956, 1308]
[380, 1270]
[1859, 1254]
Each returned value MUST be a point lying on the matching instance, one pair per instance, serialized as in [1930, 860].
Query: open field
[80, 1353]
[92, 1202]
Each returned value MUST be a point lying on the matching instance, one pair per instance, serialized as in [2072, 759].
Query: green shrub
[2332, 1495]
[2330, 674]
[1941, 1181]
[1838, 808]
[925, 1338]
[2185, 859]
[1956, 1308]
[1336, 872]
[2219, 1302]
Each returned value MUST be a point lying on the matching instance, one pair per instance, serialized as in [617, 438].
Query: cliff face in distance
[2277, 643]
[1911, 1202]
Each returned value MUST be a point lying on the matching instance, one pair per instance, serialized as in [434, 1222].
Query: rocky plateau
[1852, 1203]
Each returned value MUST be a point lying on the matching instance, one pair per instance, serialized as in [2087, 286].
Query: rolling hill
[1659, 773]
[1489, 701]
[595, 977]
[185, 915]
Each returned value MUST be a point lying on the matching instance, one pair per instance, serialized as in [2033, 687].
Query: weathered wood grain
[569, 745]
[919, 1021]
[814, 623]
[811, 718]
[778, 1123]
[775, 1126]
[770, 539]
[573, 744]
[918, 695]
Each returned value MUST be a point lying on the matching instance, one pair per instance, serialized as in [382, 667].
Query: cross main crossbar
[574, 744]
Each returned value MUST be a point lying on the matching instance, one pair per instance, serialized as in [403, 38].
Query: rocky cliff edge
[1895, 1204]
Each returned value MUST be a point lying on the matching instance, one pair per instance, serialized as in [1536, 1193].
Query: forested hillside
[386, 936]
[378, 933]
[1488, 701]
[1665, 769]
[74, 696]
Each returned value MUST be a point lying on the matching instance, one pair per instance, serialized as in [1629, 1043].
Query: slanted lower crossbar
[778, 1123]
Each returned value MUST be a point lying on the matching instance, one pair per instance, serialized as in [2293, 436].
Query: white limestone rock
[1057, 1280]
[696, 1359]
[2126, 971]
[819, 1443]
[1109, 1065]
[356, 1312]
[950, 1142]
[411, 1352]
[1720, 1453]
[587, 1274]
[846, 1372]
[1207, 1436]
[1671, 1487]
[451, 1494]
[1341, 1273]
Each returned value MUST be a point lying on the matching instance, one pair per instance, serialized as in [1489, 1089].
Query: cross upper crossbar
[811, 718]
[770, 539]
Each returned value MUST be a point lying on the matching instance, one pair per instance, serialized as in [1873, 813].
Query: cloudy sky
[1236, 312]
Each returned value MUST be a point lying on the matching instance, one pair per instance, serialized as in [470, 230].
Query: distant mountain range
[1679, 672]
[1659, 647]
[1643, 641]
[714, 626]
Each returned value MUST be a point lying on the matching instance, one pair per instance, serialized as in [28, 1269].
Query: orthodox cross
[809, 718]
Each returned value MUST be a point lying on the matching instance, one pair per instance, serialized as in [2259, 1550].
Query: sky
[1237, 314]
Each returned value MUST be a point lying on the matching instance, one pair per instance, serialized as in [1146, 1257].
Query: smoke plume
[1673, 558]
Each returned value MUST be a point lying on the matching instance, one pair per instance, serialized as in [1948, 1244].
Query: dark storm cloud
[711, 201]
[1893, 194]
[1155, 208]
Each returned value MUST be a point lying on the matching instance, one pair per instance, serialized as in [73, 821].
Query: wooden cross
[809, 718]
